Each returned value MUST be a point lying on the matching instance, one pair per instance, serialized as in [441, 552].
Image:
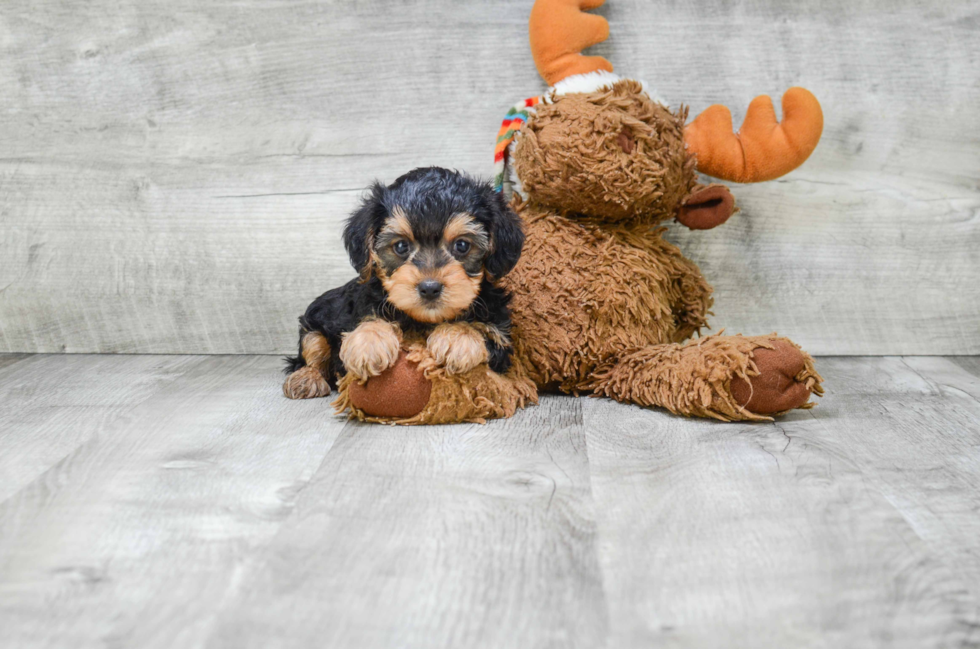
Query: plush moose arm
[706, 207]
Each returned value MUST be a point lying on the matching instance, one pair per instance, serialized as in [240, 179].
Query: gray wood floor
[181, 501]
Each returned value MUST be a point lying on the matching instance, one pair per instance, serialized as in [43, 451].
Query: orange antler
[559, 31]
[763, 149]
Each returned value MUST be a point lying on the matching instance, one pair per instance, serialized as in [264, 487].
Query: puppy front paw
[305, 383]
[458, 347]
[370, 349]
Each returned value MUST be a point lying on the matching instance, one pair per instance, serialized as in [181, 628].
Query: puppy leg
[308, 382]
[499, 347]
[371, 348]
[457, 346]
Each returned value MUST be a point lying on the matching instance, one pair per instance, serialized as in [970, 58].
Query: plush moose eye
[400, 247]
[461, 246]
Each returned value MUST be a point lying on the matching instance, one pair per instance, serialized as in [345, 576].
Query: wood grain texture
[446, 536]
[854, 524]
[183, 502]
[54, 404]
[159, 500]
[174, 174]
[930, 406]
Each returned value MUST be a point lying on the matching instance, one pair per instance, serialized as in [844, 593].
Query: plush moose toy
[602, 304]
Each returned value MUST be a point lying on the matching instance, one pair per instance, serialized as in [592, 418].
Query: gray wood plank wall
[173, 174]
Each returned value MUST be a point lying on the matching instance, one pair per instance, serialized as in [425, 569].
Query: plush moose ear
[361, 227]
[506, 236]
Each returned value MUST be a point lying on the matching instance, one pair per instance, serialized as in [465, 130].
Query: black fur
[362, 226]
[506, 233]
[431, 196]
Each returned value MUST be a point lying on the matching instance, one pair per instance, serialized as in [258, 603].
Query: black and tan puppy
[429, 249]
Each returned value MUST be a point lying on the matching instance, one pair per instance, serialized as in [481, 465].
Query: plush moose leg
[729, 378]
[418, 389]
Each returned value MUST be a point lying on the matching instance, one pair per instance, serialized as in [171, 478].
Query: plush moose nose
[430, 289]
[626, 141]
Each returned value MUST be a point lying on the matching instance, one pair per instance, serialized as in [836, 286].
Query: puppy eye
[461, 246]
[400, 247]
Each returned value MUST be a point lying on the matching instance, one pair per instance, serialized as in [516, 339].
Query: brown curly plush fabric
[696, 378]
[474, 396]
[585, 292]
[571, 155]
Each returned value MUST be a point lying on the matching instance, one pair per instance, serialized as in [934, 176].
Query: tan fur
[457, 346]
[316, 350]
[460, 289]
[375, 266]
[305, 383]
[398, 224]
[462, 224]
[309, 382]
[370, 349]
[459, 292]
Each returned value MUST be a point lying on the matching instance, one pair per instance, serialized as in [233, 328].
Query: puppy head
[431, 237]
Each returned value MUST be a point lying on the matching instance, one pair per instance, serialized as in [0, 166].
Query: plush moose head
[598, 145]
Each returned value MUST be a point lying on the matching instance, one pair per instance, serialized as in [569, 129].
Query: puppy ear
[506, 236]
[361, 227]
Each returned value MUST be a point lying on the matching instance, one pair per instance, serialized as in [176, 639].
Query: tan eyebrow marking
[460, 224]
[397, 224]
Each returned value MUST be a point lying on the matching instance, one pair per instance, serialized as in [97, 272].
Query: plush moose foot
[418, 390]
[370, 349]
[400, 392]
[305, 383]
[784, 381]
[707, 207]
[457, 346]
[730, 378]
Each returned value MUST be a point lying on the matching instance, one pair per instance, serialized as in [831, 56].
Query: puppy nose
[430, 289]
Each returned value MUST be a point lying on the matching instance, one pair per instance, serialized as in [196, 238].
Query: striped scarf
[515, 119]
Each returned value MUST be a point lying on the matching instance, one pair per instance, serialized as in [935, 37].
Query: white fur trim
[592, 81]
[586, 82]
